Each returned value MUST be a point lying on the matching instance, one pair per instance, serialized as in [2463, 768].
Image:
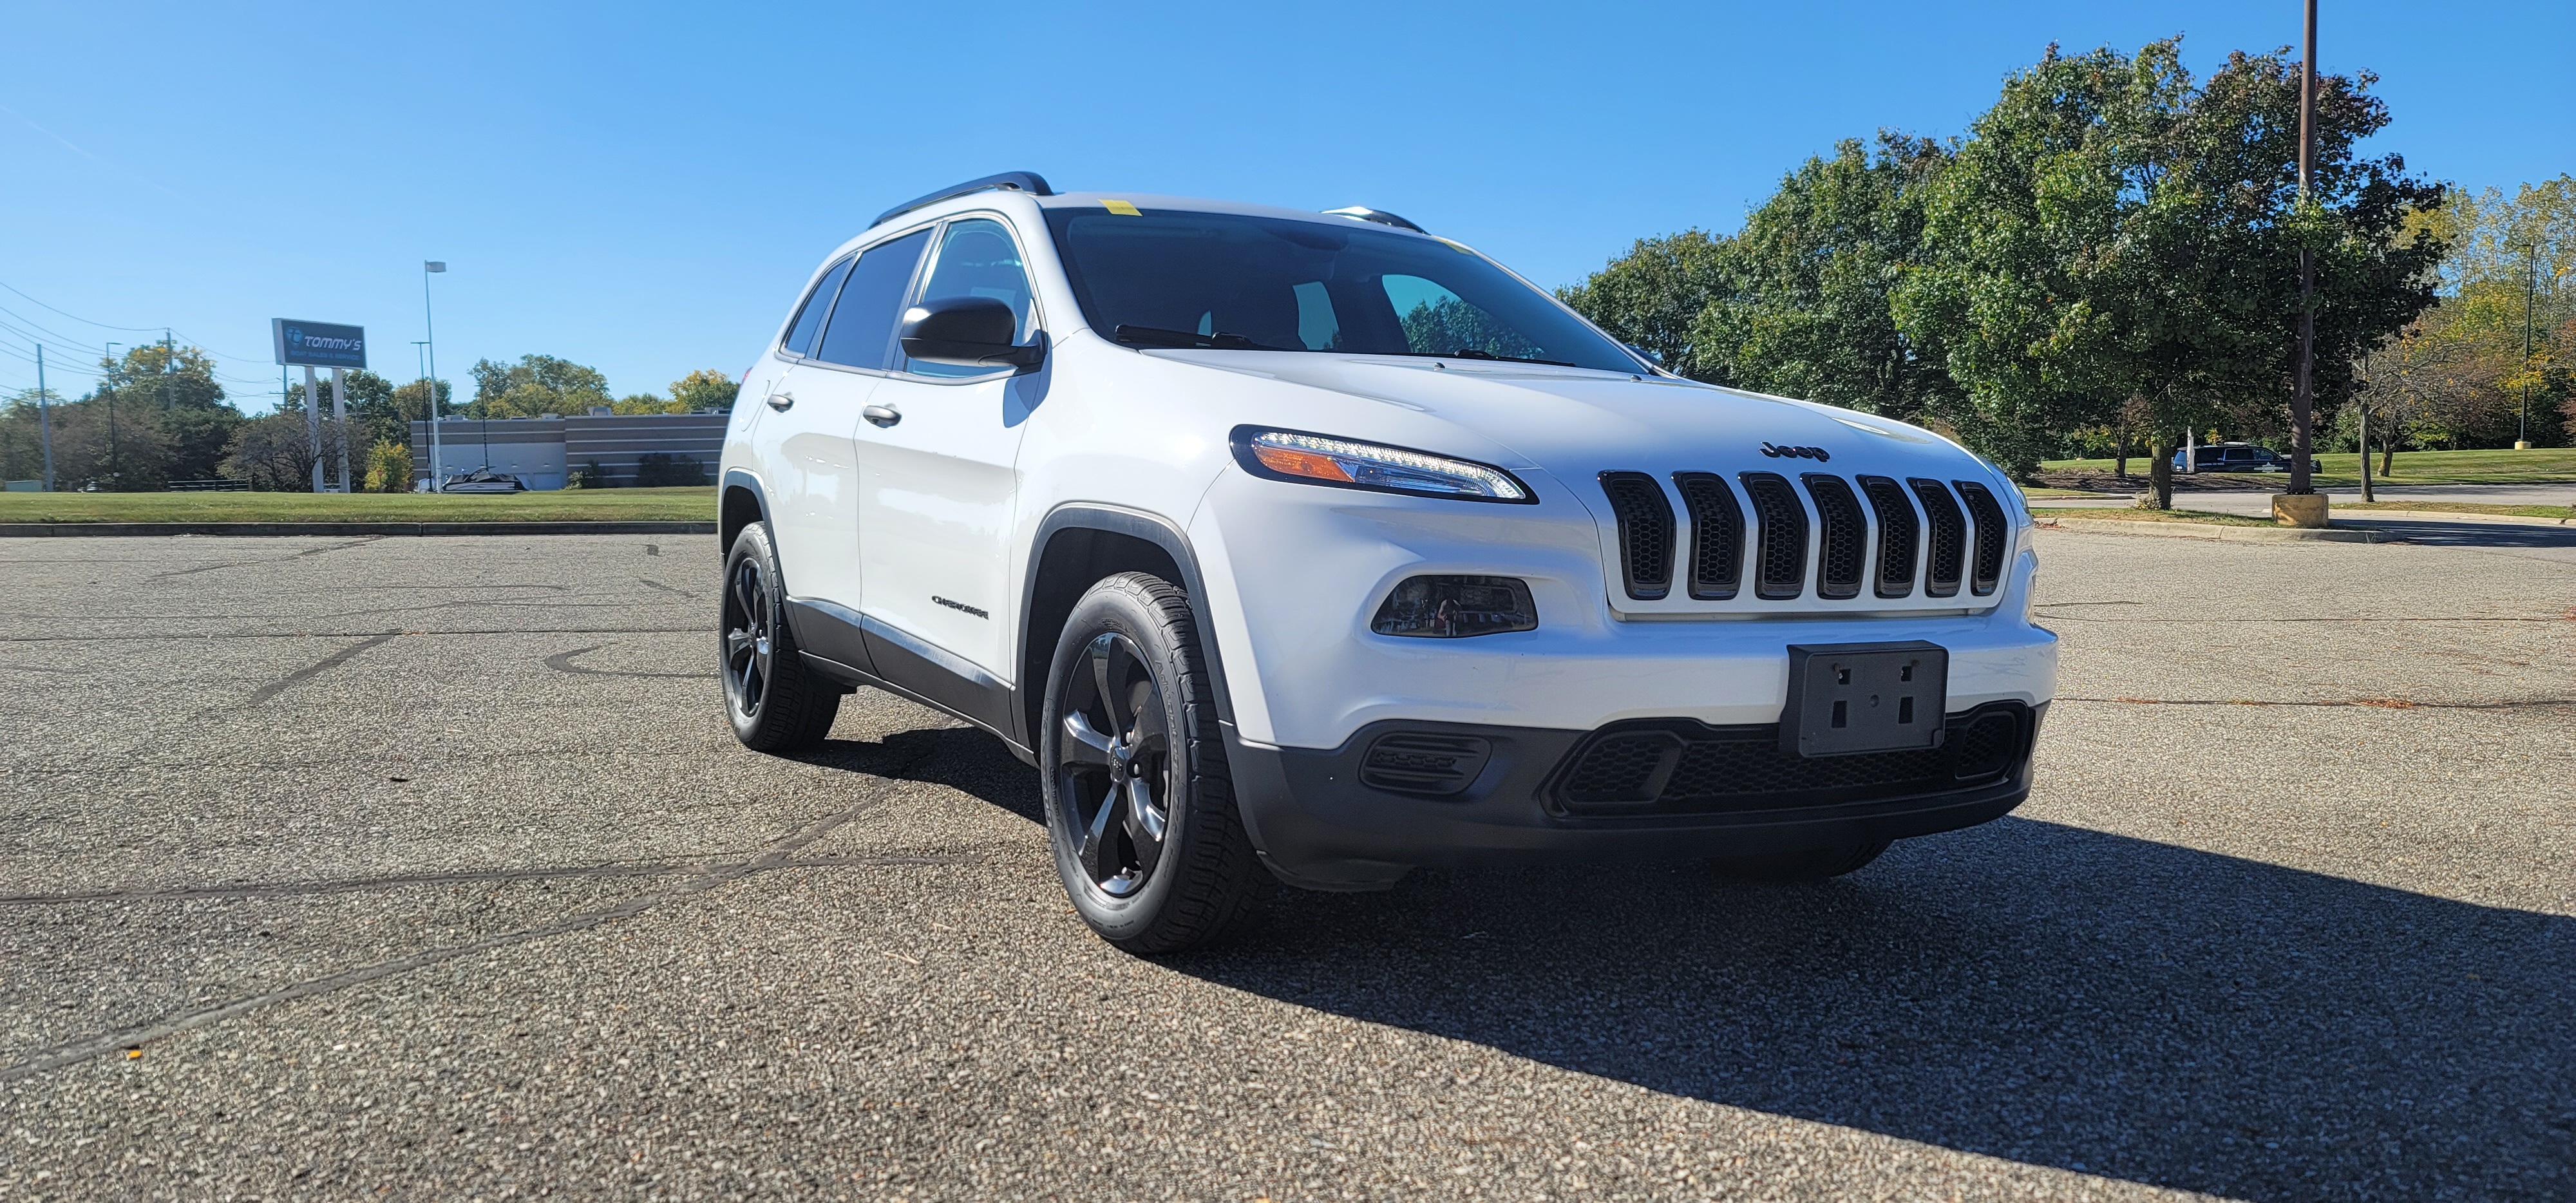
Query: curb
[2214, 532]
[2454, 516]
[111, 529]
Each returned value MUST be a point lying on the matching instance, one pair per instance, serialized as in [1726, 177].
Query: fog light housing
[1455, 607]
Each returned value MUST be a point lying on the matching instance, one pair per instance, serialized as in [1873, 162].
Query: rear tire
[1806, 864]
[1140, 810]
[775, 702]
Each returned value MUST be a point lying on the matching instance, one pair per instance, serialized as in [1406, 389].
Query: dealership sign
[319, 344]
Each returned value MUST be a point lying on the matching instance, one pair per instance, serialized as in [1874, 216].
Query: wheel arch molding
[740, 502]
[1079, 544]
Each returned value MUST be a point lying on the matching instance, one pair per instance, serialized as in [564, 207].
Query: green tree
[705, 388]
[173, 391]
[1815, 270]
[537, 384]
[1652, 297]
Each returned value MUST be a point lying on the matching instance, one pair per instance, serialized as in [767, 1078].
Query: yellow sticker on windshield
[1121, 208]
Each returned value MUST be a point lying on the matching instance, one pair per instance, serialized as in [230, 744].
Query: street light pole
[2302, 397]
[429, 387]
[2530, 280]
[437, 462]
[44, 417]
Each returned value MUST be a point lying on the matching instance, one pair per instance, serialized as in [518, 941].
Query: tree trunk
[2160, 470]
[2121, 470]
[2388, 453]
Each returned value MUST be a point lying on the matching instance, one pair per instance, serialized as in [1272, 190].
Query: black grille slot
[1717, 535]
[1898, 532]
[1990, 536]
[1942, 567]
[1676, 766]
[1414, 762]
[1645, 532]
[1843, 537]
[1622, 770]
[1781, 560]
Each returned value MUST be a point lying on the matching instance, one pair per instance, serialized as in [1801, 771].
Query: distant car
[483, 480]
[2238, 457]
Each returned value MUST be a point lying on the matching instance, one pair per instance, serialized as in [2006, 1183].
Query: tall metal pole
[2530, 278]
[437, 462]
[313, 424]
[340, 421]
[115, 470]
[2302, 397]
[429, 387]
[44, 418]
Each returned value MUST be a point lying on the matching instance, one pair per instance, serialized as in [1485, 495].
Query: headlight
[1316, 459]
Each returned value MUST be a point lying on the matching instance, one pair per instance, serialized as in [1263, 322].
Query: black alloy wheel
[1114, 765]
[776, 703]
[750, 652]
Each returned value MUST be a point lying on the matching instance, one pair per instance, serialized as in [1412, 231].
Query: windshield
[1175, 278]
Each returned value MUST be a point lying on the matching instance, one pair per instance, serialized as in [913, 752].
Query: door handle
[780, 401]
[882, 415]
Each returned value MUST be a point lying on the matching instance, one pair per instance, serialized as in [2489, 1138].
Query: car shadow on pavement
[2047, 994]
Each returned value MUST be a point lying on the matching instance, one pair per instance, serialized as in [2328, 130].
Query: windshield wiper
[1472, 353]
[1156, 336]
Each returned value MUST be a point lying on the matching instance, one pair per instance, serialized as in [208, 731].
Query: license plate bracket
[1849, 698]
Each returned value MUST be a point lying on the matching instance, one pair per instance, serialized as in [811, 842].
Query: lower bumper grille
[1679, 766]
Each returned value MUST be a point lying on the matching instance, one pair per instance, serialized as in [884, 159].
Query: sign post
[313, 345]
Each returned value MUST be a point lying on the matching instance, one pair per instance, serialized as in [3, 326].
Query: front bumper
[1327, 819]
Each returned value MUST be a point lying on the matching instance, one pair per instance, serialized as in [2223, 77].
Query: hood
[1576, 424]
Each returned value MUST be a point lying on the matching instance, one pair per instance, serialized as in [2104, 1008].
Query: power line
[85, 321]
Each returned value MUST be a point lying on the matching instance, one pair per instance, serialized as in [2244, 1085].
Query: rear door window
[862, 331]
[818, 305]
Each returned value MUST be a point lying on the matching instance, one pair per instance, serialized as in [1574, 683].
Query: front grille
[1781, 561]
[1677, 766]
[1990, 536]
[1415, 762]
[1842, 538]
[1898, 531]
[1942, 568]
[1717, 535]
[1645, 532]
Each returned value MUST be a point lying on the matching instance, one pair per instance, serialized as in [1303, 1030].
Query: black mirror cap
[974, 332]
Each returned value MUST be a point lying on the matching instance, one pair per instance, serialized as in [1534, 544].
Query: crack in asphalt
[310, 551]
[301, 675]
[562, 662]
[776, 856]
[296, 889]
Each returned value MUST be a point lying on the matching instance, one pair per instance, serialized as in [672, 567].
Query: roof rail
[1380, 216]
[1018, 181]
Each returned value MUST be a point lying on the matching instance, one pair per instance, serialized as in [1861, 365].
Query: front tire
[1140, 810]
[775, 702]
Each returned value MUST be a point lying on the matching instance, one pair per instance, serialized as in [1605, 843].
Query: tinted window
[800, 337]
[977, 259]
[862, 331]
[1179, 278]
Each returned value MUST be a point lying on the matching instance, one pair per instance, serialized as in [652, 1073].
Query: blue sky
[640, 187]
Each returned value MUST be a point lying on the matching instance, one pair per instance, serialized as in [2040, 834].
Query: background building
[544, 452]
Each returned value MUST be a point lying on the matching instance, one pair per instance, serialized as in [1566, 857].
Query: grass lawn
[567, 505]
[2463, 507]
[2133, 515]
[2541, 465]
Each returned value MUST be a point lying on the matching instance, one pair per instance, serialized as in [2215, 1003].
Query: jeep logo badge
[1814, 453]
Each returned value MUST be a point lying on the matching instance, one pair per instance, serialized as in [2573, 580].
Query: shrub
[657, 469]
[388, 467]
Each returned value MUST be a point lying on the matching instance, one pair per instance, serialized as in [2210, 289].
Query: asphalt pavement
[426, 868]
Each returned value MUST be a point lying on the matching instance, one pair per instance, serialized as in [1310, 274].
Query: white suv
[1317, 543]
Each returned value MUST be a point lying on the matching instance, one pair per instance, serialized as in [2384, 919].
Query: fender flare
[1137, 524]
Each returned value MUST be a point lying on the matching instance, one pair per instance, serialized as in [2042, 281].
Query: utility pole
[429, 326]
[166, 365]
[44, 418]
[2302, 397]
[2530, 279]
[115, 471]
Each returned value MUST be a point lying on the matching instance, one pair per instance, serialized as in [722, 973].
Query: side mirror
[973, 332]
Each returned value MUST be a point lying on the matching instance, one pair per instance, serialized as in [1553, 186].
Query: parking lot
[427, 868]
